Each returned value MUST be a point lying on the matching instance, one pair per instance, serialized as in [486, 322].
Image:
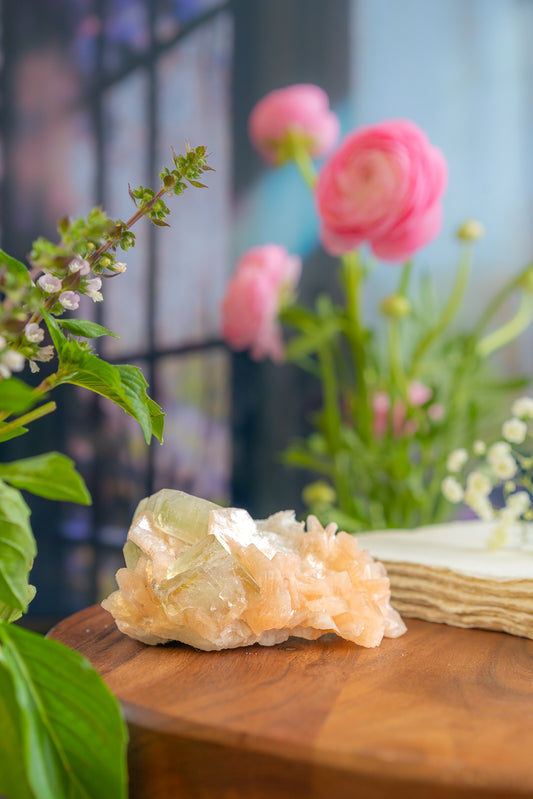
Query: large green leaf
[16, 396]
[122, 384]
[17, 551]
[15, 268]
[51, 475]
[73, 735]
[82, 327]
[13, 780]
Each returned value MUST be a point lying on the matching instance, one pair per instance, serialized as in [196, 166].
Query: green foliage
[65, 721]
[62, 732]
[17, 551]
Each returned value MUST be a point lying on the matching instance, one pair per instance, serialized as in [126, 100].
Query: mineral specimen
[213, 578]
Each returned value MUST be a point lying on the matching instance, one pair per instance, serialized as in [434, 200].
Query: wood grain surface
[440, 712]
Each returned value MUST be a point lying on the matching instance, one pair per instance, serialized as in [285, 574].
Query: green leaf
[16, 396]
[19, 431]
[122, 384]
[16, 268]
[82, 327]
[13, 780]
[312, 341]
[17, 551]
[51, 475]
[56, 334]
[72, 732]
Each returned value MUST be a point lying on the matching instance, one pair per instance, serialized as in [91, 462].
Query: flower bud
[471, 230]
[318, 493]
[396, 306]
[13, 360]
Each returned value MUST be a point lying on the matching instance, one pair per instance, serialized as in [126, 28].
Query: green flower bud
[471, 230]
[319, 493]
[396, 306]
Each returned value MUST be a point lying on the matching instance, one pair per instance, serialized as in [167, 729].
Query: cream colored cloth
[446, 573]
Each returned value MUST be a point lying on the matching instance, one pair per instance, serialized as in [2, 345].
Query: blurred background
[95, 93]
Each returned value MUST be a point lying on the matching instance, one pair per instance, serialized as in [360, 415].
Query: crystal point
[214, 578]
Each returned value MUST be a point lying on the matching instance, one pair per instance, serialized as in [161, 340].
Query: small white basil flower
[456, 460]
[523, 408]
[69, 300]
[92, 289]
[119, 267]
[452, 490]
[34, 333]
[514, 430]
[79, 265]
[49, 283]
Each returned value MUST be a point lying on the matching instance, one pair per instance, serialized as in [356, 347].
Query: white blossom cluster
[474, 476]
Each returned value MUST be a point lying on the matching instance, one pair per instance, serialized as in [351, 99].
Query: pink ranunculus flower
[384, 185]
[302, 109]
[264, 277]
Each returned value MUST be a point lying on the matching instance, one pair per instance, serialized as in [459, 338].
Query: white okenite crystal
[213, 578]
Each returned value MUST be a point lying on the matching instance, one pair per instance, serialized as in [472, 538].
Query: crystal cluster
[214, 578]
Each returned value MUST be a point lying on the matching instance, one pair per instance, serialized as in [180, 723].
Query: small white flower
[79, 265]
[452, 490]
[13, 360]
[456, 460]
[514, 430]
[92, 289]
[479, 448]
[523, 408]
[500, 449]
[4, 372]
[504, 468]
[479, 484]
[119, 267]
[34, 333]
[69, 300]
[480, 505]
[3, 343]
[518, 503]
[49, 283]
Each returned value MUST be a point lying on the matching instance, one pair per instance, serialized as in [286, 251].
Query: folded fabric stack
[447, 573]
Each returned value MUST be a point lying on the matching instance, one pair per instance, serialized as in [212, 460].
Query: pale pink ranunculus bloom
[302, 109]
[417, 395]
[264, 276]
[383, 186]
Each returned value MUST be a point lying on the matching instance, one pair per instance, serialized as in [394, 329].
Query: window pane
[126, 137]
[127, 32]
[193, 257]
[172, 15]
[196, 456]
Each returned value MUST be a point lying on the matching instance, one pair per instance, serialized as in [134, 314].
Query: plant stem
[31, 416]
[352, 274]
[300, 155]
[450, 309]
[333, 424]
[499, 299]
[509, 331]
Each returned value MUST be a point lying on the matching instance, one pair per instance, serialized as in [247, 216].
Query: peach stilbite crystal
[214, 578]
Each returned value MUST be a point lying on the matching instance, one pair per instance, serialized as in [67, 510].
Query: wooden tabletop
[440, 712]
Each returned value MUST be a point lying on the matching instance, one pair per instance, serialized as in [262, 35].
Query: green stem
[450, 309]
[404, 278]
[399, 382]
[333, 423]
[509, 331]
[352, 274]
[300, 154]
[499, 299]
[26, 418]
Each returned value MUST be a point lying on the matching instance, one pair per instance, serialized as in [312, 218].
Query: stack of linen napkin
[447, 573]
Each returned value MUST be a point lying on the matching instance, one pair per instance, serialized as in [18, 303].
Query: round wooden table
[440, 712]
